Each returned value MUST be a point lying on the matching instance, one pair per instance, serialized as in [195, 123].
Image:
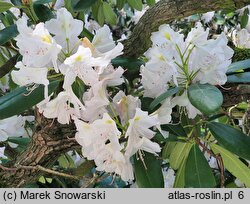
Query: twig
[40, 168]
[219, 161]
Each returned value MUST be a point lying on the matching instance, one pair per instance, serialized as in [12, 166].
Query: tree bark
[49, 141]
[166, 11]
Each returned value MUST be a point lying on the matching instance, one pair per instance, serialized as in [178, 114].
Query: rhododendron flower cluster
[174, 60]
[111, 127]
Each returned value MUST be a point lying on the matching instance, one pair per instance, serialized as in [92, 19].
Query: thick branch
[166, 11]
[49, 142]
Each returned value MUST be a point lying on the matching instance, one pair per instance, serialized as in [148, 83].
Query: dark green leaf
[20, 100]
[152, 176]
[16, 2]
[4, 6]
[23, 141]
[8, 33]
[244, 19]
[43, 12]
[109, 14]
[231, 139]
[136, 4]
[162, 97]
[129, 63]
[42, 1]
[205, 97]
[238, 66]
[175, 129]
[198, 174]
[239, 78]
[83, 4]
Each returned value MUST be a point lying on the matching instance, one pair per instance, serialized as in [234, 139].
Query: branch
[49, 141]
[166, 11]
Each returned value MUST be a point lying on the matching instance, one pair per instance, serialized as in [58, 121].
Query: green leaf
[168, 149]
[109, 14]
[175, 129]
[152, 176]
[4, 6]
[231, 139]
[180, 176]
[131, 64]
[100, 15]
[16, 2]
[84, 168]
[22, 141]
[136, 4]
[120, 4]
[205, 97]
[43, 12]
[238, 66]
[179, 154]
[42, 1]
[150, 2]
[83, 5]
[162, 97]
[8, 33]
[239, 78]
[198, 174]
[244, 19]
[233, 164]
[20, 100]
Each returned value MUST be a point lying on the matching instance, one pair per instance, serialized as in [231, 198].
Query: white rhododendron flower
[139, 134]
[125, 106]
[14, 127]
[37, 46]
[63, 107]
[207, 17]
[179, 61]
[65, 28]
[2, 156]
[241, 39]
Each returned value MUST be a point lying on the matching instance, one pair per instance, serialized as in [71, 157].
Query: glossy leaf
[152, 176]
[205, 97]
[198, 174]
[136, 4]
[4, 6]
[129, 63]
[238, 66]
[239, 78]
[43, 12]
[20, 100]
[8, 33]
[83, 4]
[232, 139]
[162, 97]
[233, 164]
[109, 14]
[175, 129]
[179, 154]
[168, 149]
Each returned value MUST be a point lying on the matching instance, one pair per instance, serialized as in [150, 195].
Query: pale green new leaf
[233, 164]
